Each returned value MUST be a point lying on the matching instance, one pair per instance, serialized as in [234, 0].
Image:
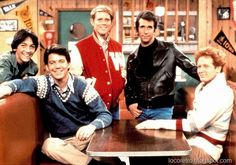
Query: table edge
[139, 153]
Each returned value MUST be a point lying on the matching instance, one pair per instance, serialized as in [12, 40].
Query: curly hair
[217, 55]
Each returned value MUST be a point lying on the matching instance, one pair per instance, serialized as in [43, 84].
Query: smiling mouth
[27, 55]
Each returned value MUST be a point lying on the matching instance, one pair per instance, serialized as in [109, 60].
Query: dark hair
[57, 49]
[21, 35]
[147, 15]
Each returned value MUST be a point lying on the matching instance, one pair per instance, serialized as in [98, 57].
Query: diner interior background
[191, 24]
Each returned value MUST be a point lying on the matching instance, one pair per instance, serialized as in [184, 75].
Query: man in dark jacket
[151, 71]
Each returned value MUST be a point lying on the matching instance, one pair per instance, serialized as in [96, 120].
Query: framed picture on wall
[223, 13]
[8, 25]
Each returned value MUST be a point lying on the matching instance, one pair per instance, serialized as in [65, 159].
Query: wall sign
[223, 41]
[26, 17]
[8, 25]
[7, 8]
[223, 13]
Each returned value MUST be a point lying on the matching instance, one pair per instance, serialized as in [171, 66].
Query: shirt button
[109, 94]
[108, 83]
[106, 71]
[108, 103]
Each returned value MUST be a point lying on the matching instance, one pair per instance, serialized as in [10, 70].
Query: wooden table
[122, 139]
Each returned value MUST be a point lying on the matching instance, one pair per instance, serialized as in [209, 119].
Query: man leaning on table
[208, 122]
[71, 108]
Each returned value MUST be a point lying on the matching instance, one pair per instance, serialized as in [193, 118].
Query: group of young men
[76, 105]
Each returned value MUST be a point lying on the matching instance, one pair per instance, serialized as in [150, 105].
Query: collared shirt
[65, 94]
[103, 43]
[69, 83]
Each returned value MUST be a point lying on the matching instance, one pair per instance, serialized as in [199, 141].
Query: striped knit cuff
[179, 125]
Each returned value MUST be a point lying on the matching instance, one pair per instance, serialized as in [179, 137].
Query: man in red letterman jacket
[100, 58]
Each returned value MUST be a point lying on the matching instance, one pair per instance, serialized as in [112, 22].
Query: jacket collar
[218, 80]
[161, 45]
[99, 39]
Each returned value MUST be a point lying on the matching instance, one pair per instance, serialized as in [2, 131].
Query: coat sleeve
[185, 63]
[130, 92]
[5, 70]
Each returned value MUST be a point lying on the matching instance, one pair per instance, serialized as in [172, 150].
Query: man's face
[146, 31]
[206, 70]
[58, 67]
[102, 23]
[25, 51]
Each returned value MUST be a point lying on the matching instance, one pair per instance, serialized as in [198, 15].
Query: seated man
[71, 107]
[208, 122]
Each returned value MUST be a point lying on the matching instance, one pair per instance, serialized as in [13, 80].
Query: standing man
[151, 71]
[101, 58]
[18, 63]
[71, 107]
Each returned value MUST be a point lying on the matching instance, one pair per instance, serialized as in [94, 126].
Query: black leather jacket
[157, 89]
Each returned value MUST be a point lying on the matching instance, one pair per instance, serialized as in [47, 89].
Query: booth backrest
[230, 145]
[21, 131]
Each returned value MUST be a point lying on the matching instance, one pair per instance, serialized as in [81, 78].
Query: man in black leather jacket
[151, 68]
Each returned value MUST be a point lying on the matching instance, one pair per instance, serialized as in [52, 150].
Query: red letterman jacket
[109, 80]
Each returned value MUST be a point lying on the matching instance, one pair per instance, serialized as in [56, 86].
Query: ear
[92, 21]
[157, 32]
[46, 67]
[218, 69]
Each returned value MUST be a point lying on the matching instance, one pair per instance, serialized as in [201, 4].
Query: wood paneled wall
[209, 26]
[229, 28]
[52, 7]
[26, 15]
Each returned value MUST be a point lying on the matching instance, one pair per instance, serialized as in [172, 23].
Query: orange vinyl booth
[22, 131]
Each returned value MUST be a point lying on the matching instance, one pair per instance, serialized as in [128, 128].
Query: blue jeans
[156, 113]
[115, 113]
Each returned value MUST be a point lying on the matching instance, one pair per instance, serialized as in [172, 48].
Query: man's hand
[149, 124]
[85, 132]
[5, 91]
[133, 108]
[232, 84]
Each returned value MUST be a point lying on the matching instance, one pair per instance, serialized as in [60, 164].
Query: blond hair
[101, 8]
